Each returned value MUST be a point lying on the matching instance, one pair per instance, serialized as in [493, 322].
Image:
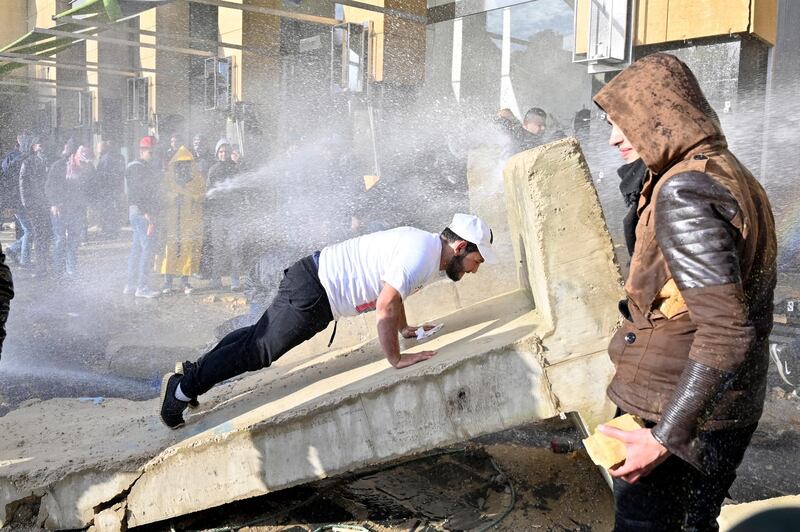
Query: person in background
[205, 160]
[6, 295]
[8, 213]
[532, 131]
[110, 188]
[181, 220]
[54, 187]
[19, 252]
[581, 124]
[65, 189]
[32, 180]
[220, 209]
[142, 177]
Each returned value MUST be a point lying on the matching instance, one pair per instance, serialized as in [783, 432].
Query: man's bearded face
[455, 268]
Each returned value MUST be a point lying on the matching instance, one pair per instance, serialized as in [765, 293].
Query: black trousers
[299, 311]
[677, 496]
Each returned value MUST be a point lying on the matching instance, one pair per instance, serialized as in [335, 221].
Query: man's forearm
[387, 334]
[402, 322]
[695, 396]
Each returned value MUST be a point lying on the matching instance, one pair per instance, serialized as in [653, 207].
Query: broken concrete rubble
[524, 355]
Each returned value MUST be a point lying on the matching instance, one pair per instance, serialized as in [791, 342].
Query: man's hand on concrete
[409, 359]
[410, 331]
[644, 453]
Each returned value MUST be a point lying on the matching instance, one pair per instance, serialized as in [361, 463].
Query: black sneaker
[171, 407]
[193, 402]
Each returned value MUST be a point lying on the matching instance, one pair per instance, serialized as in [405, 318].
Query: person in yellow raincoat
[182, 220]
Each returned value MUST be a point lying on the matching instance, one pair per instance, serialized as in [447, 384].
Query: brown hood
[658, 105]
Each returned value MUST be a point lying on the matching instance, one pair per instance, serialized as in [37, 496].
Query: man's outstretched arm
[391, 314]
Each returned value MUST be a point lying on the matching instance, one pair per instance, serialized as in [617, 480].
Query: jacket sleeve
[700, 244]
[6, 295]
[517, 131]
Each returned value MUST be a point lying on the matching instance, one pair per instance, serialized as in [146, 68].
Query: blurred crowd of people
[177, 230]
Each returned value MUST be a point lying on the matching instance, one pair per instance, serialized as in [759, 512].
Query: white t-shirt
[353, 271]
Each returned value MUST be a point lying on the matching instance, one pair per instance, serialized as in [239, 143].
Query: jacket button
[630, 338]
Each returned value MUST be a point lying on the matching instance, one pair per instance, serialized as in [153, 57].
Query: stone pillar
[261, 78]
[113, 88]
[68, 107]
[172, 78]
[404, 44]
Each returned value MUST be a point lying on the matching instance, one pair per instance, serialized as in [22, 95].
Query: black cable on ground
[510, 506]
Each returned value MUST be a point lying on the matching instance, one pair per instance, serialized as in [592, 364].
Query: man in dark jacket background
[6, 295]
[32, 180]
[4, 184]
[20, 250]
[691, 357]
[110, 188]
[534, 129]
[220, 209]
[67, 202]
[142, 180]
[205, 160]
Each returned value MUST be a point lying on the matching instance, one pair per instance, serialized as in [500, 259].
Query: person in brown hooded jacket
[691, 356]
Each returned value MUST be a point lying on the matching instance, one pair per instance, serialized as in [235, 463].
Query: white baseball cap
[474, 230]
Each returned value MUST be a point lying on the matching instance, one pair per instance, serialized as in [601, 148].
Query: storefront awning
[100, 11]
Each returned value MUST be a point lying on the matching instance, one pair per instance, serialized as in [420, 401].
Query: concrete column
[113, 89]
[172, 77]
[68, 110]
[404, 44]
[261, 78]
